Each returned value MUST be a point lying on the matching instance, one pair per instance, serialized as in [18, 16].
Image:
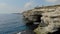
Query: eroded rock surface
[50, 19]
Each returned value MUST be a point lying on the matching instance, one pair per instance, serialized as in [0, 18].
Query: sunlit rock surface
[50, 19]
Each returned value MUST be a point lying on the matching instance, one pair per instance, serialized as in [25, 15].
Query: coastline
[50, 18]
[26, 32]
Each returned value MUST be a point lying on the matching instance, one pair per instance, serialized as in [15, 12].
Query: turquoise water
[11, 23]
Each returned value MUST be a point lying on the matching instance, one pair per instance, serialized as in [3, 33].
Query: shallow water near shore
[11, 23]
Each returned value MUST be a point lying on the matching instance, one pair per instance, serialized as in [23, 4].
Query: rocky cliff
[49, 21]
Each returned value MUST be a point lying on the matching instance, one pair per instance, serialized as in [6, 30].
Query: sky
[19, 6]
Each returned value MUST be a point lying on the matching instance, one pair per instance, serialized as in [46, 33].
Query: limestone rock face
[50, 16]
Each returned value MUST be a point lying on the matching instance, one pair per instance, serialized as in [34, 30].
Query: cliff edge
[47, 17]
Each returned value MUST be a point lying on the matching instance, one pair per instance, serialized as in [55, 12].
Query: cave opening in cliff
[31, 23]
[37, 17]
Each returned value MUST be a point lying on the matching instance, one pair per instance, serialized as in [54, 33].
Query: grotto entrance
[35, 22]
[38, 18]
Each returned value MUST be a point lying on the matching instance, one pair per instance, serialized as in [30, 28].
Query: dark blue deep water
[11, 23]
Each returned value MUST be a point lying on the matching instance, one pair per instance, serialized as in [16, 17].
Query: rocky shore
[26, 32]
[46, 19]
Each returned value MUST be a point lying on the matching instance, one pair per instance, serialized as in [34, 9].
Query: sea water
[11, 23]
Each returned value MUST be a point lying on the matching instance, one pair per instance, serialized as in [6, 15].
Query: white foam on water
[19, 33]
